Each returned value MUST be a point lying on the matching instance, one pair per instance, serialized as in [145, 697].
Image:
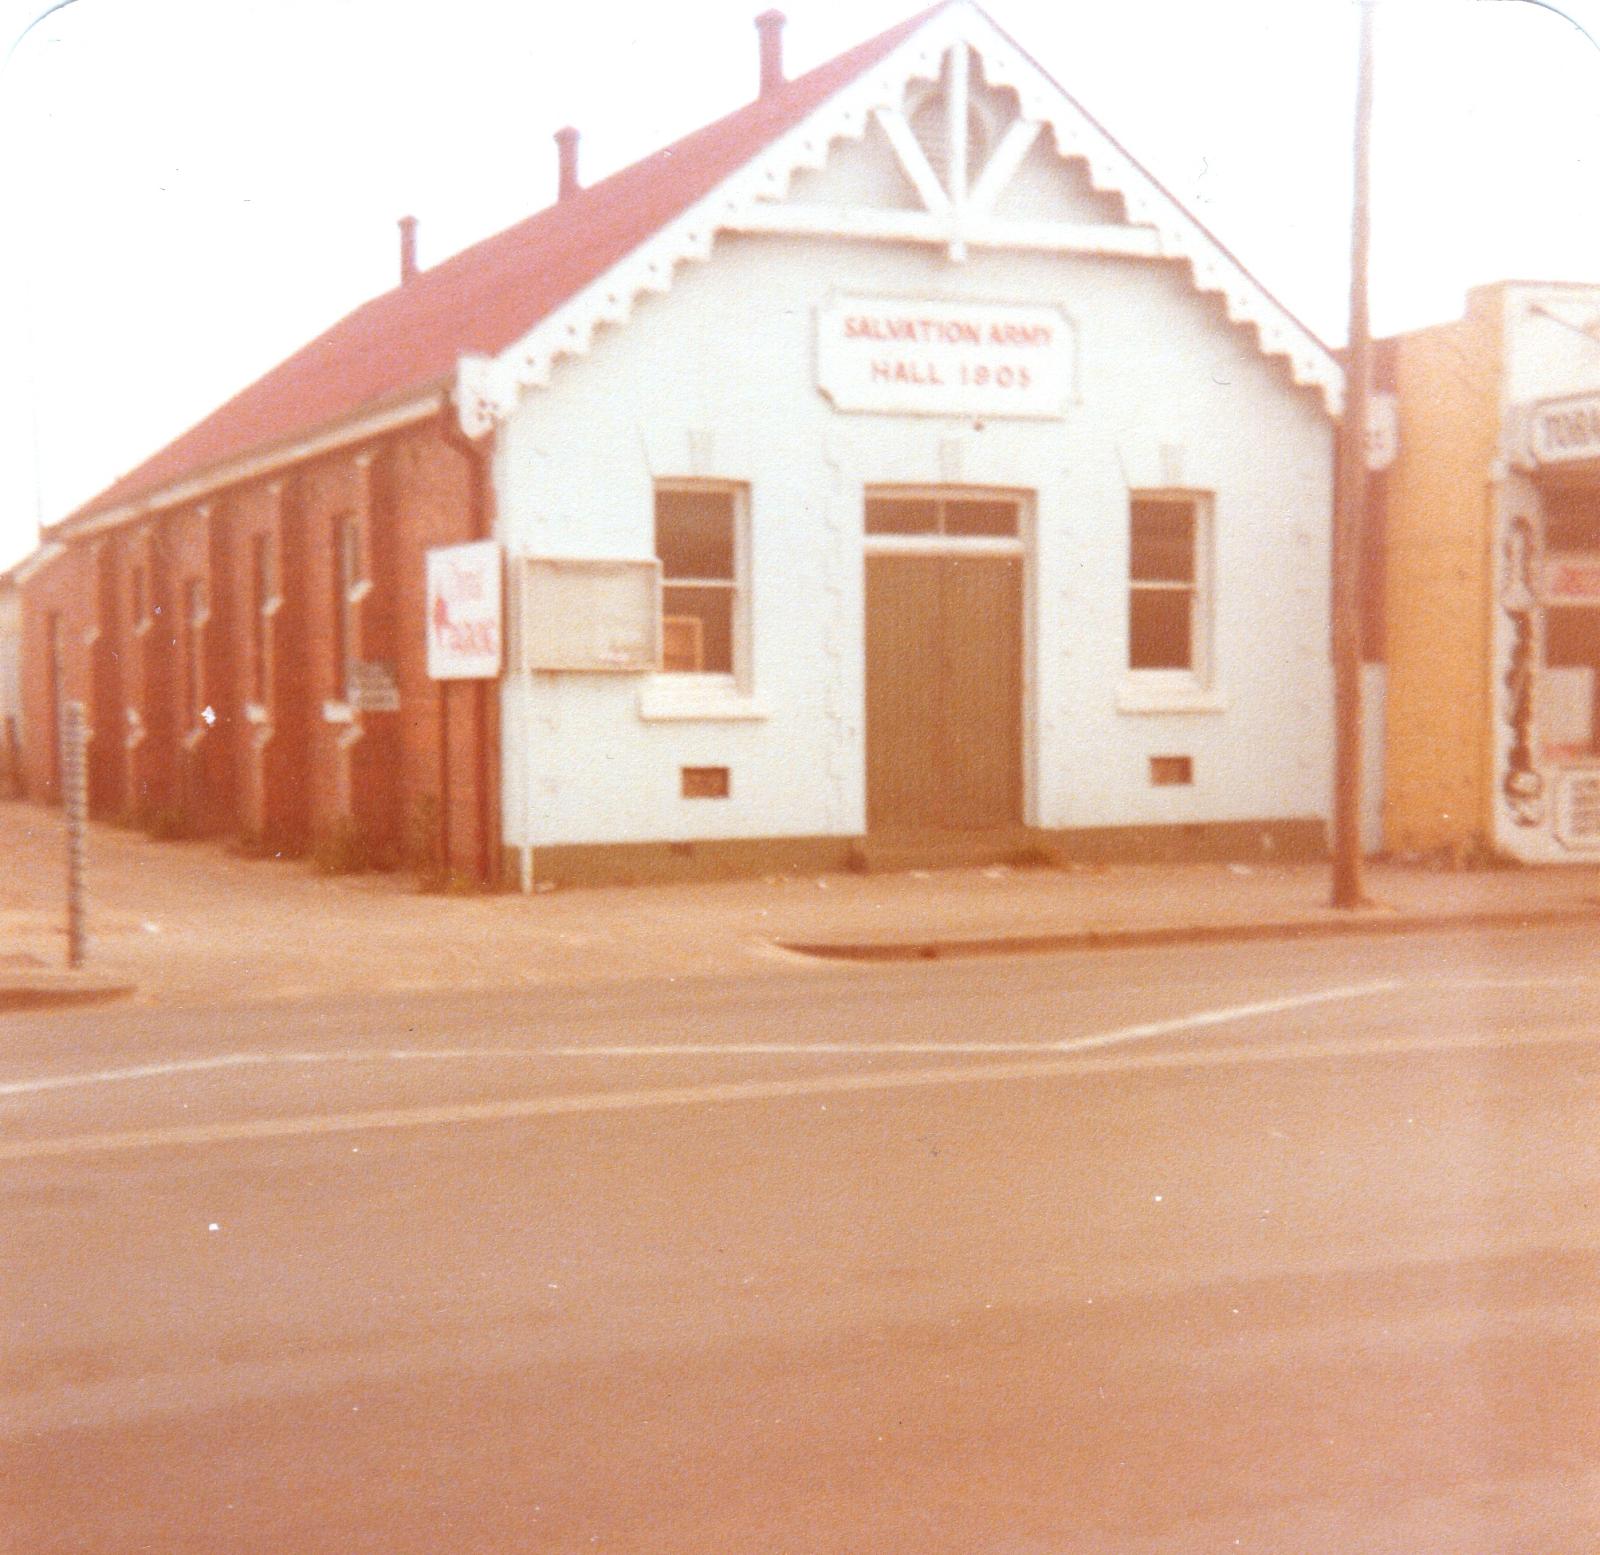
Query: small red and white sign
[1383, 429]
[466, 611]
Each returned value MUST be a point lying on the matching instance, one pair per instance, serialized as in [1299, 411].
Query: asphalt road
[1274, 1248]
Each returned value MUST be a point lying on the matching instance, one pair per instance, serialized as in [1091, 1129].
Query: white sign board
[1578, 810]
[944, 358]
[1567, 430]
[591, 615]
[370, 687]
[466, 625]
[1383, 429]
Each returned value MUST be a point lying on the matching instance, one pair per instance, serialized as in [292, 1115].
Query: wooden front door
[944, 692]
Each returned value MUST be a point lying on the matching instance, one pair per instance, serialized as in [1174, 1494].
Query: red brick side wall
[328, 496]
[431, 501]
[150, 756]
[240, 721]
[264, 726]
[194, 629]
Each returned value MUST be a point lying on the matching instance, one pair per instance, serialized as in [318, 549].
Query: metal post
[445, 841]
[1349, 512]
[75, 801]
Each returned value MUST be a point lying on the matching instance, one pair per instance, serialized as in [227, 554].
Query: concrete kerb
[1184, 934]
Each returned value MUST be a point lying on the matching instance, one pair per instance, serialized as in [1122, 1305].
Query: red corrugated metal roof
[488, 296]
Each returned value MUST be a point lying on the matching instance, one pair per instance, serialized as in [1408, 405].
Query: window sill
[1169, 697]
[667, 698]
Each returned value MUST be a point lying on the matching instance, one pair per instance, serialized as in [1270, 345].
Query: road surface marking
[1474, 984]
[1045, 1067]
[177, 1066]
[1156, 1028]
[749, 1090]
[1226, 1015]
[221, 1061]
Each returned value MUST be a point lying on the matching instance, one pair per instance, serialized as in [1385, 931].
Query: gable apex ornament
[961, 39]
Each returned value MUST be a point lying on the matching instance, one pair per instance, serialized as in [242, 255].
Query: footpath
[189, 924]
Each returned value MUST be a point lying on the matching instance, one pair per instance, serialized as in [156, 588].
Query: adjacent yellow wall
[1438, 593]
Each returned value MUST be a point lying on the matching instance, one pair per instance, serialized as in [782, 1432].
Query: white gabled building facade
[933, 487]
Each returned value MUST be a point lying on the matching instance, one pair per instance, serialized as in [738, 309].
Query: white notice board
[591, 615]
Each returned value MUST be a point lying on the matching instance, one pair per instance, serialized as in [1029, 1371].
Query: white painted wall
[716, 379]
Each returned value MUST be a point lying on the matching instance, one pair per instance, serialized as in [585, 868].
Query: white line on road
[1041, 1068]
[1156, 1028]
[1476, 984]
[180, 1066]
[1049, 1062]
[221, 1061]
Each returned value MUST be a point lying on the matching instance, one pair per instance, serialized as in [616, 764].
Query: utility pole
[1349, 510]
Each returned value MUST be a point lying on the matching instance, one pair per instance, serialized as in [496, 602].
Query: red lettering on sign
[1002, 377]
[920, 374]
[471, 637]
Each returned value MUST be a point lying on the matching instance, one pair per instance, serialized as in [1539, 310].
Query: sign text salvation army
[944, 358]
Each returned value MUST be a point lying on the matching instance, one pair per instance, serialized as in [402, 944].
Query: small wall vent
[1171, 771]
[705, 783]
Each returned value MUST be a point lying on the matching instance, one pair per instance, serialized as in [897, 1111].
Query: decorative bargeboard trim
[487, 389]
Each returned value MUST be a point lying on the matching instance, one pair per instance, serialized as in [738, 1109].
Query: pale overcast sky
[191, 189]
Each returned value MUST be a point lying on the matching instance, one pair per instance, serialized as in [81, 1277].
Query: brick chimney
[408, 249]
[769, 24]
[567, 183]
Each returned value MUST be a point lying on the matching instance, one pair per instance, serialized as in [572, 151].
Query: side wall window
[703, 603]
[1168, 584]
[261, 603]
[194, 623]
[348, 581]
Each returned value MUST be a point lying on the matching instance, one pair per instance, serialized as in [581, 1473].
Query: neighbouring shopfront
[1549, 629]
[1493, 562]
